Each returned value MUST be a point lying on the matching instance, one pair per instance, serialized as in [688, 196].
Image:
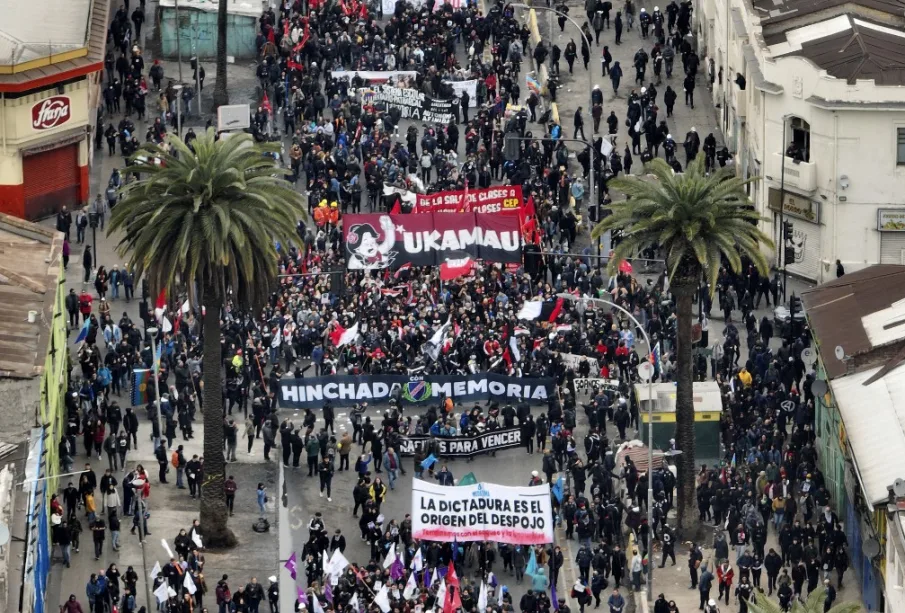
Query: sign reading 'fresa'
[51, 112]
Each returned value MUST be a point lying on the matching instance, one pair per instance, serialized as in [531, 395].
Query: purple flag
[328, 592]
[397, 570]
[291, 566]
[554, 597]
[303, 596]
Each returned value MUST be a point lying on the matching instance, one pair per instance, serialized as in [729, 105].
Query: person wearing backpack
[177, 459]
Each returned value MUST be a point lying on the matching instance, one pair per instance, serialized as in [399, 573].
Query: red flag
[336, 334]
[265, 104]
[530, 211]
[453, 600]
[452, 579]
[453, 269]
[161, 300]
[556, 311]
[507, 358]
[397, 206]
[402, 268]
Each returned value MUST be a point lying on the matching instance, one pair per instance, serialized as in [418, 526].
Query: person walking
[261, 498]
[579, 125]
[325, 472]
[87, 263]
[688, 85]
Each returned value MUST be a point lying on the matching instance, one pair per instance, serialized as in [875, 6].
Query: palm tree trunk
[213, 496]
[688, 523]
[221, 94]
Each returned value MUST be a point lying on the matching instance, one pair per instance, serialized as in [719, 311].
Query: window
[798, 145]
[900, 146]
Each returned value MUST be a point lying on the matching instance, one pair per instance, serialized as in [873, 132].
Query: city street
[262, 555]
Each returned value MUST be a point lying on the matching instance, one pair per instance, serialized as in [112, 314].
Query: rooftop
[847, 47]
[35, 30]
[859, 312]
[876, 439]
[30, 256]
[50, 40]
[773, 12]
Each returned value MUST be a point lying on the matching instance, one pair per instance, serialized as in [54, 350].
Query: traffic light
[794, 305]
[788, 254]
[788, 230]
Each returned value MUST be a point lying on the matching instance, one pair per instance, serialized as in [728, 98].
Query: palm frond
[209, 218]
[697, 220]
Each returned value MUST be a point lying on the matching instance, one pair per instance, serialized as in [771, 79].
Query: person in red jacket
[724, 575]
[85, 301]
[71, 606]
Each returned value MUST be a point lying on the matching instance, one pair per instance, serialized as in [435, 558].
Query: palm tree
[221, 94]
[697, 220]
[814, 604]
[208, 221]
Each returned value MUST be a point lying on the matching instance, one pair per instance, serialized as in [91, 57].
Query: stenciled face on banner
[371, 248]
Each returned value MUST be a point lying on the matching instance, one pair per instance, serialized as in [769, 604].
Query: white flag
[434, 577]
[382, 600]
[350, 335]
[196, 538]
[417, 562]
[338, 563]
[188, 584]
[441, 595]
[353, 602]
[166, 548]
[316, 605]
[170, 592]
[606, 147]
[328, 569]
[482, 597]
[391, 556]
[167, 326]
[499, 600]
[410, 587]
[185, 307]
[161, 592]
[156, 570]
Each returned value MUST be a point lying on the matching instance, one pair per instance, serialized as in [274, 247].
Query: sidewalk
[172, 509]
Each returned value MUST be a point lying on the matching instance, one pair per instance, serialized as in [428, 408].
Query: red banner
[499, 199]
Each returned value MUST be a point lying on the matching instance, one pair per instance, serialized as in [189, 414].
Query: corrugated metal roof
[30, 257]
[877, 439]
[777, 11]
[836, 311]
[848, 48]
[34, 30]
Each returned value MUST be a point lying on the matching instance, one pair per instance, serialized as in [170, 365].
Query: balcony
[800, 175]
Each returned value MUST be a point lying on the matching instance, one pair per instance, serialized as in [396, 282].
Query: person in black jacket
[527, 432]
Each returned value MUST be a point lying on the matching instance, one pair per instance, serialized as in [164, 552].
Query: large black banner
[464, 446]
[412, 103]
[347, 389]
[376, 242]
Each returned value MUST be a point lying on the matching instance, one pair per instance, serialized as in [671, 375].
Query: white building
[830, 75]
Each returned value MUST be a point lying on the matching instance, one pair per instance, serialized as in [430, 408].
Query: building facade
[48, 99]
[810, 97]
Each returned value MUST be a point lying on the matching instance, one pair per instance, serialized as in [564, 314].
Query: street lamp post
[178, 89]
[650, 437]
[587, 41]
[156, 368]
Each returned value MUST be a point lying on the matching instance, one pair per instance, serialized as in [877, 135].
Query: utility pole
[178, 37]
